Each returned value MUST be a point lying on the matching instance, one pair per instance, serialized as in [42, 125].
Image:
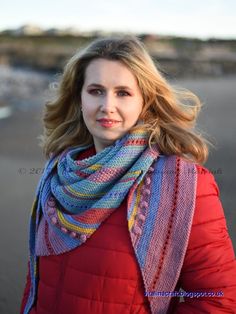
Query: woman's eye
[96, 91]
[100, 92]
[124, 93]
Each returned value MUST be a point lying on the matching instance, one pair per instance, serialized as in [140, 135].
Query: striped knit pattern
[74, 197]
[166, 206]
[89, 190]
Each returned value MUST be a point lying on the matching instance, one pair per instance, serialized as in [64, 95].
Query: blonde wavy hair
[169, 113]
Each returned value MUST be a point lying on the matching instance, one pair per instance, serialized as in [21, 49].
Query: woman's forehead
[108, 72]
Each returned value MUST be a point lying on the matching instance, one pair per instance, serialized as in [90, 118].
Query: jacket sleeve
[26, 292]
[209, 264]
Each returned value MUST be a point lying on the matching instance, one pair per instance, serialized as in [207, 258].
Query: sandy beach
[22, 162]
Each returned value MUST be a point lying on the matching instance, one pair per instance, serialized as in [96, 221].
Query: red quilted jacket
[102, 276]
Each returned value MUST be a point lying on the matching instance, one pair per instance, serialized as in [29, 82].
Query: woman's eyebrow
[117, 87]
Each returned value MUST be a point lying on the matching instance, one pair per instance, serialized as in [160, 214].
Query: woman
[125, 214]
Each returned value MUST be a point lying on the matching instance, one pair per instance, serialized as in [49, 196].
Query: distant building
[72, 31]
[28, 29]
[51, 31]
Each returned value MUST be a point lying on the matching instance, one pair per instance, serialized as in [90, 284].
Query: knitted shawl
[74, 197]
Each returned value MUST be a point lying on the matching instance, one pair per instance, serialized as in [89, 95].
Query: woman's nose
[108, 104]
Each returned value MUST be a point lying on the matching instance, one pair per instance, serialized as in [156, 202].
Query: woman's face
[111, 101]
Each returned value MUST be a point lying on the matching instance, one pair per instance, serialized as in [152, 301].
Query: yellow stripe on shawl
[83, 194]
[72, 226]
[135, 172]
[32, 211]
[35, 269]
[138, 130]
[131, 220]
[95, 167]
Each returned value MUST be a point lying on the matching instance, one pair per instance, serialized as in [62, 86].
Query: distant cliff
[176, 57]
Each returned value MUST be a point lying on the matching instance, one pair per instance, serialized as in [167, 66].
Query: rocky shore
[177, 57]
[22, 88]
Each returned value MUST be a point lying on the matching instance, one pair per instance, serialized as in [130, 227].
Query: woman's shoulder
[208, 203]
[208, 206]
[206, 182]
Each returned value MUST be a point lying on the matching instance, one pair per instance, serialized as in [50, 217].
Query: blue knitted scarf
[75, 196]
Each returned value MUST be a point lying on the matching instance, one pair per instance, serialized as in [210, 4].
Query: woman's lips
[108, 123]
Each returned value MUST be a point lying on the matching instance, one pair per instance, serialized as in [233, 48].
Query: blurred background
[194, 43]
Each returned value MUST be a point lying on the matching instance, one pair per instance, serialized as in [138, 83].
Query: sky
[190, 18]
